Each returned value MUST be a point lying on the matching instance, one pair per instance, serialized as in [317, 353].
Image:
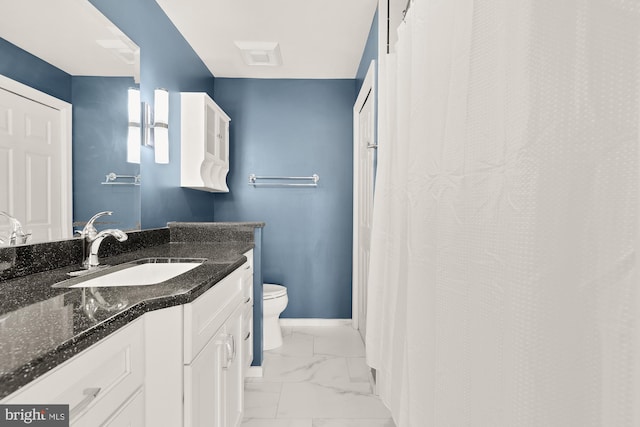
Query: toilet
[274, 302]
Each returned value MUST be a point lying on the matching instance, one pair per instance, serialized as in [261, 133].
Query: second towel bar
[253, 178]
[112, 179]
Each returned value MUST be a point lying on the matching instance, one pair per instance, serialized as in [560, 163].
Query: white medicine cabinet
[204, 163]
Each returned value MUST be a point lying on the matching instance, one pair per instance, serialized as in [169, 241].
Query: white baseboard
[254, 372]
[316, 322]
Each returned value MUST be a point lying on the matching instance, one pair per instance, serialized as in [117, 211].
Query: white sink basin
[138, 273]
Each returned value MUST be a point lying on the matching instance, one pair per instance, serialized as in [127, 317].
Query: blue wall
[167, 61]
[99, 133]
[30, 70]
[295, 128]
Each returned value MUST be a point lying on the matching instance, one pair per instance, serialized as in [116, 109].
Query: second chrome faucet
[16, 235]
[93, 239]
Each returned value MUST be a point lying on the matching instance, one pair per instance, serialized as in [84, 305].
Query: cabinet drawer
[97, 381]
[131, 414]
[204, 316]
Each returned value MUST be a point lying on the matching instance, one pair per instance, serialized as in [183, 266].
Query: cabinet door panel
[204, 163]
[210, 126]
[222, 140]
[235, 371]
[204, 385]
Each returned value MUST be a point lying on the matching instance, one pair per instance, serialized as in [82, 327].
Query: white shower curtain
[504, 280]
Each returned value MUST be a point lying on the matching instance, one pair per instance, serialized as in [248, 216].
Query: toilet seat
[271, 291]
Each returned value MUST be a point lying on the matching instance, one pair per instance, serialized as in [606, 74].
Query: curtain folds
[503, 277]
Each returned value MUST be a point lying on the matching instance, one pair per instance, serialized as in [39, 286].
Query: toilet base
[272, 333]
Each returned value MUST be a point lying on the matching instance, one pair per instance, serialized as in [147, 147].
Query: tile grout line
[279, 400]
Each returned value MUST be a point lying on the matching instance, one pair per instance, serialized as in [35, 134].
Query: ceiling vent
[260, 53]
[121, 46]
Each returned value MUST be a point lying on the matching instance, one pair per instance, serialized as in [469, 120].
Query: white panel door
[365, 206]
[363, 183]
[32, 157]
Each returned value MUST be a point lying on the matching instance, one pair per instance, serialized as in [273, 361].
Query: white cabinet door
[204, 381]
[204, 130]
[234, 372]
[214, 384]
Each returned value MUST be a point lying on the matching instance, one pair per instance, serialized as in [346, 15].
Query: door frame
[64, 109]
[368, 90]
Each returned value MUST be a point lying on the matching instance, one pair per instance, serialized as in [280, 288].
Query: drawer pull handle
[233, 345]
[247, 300]
[248, 335]
[230, 346]
[91, 394]
[227, 354]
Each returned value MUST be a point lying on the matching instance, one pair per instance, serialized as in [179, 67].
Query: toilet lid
[270, 291]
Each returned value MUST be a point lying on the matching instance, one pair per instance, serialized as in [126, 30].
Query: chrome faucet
[89, 231]
[95, 238]
[17, 235]
[94, 245]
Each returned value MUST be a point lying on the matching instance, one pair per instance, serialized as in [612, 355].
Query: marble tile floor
[318, 378]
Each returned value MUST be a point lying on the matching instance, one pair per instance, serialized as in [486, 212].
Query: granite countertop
[41, 326]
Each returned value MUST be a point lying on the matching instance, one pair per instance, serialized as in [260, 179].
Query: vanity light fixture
[156, 125]
[161, 125]
[134, 137]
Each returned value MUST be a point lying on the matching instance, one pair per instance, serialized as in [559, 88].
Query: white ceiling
[67, 34]
[317, 38]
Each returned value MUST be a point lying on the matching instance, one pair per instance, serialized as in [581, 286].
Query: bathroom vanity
[174, 353]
